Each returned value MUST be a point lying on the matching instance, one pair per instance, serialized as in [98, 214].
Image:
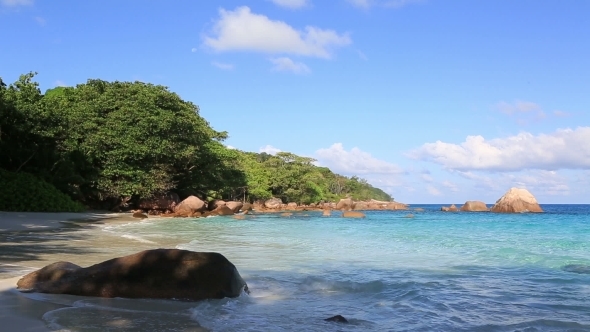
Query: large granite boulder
[517, 200]
[345, 204]
[361, 206]
[292, 206]
[158, 273]
[214, 204]
[273, 203]
[247, 207]
[190, 205]
[165, 202]
[474, 206]
[234, 206]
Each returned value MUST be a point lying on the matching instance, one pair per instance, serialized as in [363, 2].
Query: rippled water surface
[434, 272]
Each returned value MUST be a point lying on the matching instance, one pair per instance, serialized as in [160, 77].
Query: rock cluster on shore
[192, 206]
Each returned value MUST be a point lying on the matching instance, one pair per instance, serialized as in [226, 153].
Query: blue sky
[434, 101]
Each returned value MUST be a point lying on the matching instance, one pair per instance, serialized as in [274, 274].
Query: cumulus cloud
[223, 66]
[450, 185]
[523, 112]
[562, 149]
[59, 83]
[354, 162]
[16, 3]
[269, 149]
[292, 4]
[242, 30]
[286, 64]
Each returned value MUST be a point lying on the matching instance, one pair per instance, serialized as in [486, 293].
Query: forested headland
[105, 145]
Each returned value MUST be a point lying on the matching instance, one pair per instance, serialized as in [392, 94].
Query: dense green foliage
[296, 179]
[25, 192]
[111, 143]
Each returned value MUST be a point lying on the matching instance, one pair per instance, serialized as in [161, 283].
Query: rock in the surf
[190, 205]
[474, 206]
[235, 206]
[353, 214]
[158, 273]
[517, 200]
[337, 319]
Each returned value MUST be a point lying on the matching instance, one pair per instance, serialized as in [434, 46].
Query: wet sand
[29, 241]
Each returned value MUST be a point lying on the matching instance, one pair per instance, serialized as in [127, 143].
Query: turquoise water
[438, 271]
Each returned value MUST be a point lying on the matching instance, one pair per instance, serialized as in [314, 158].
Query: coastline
[19, 256]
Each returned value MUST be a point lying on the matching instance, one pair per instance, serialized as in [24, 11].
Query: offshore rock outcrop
[517, 200]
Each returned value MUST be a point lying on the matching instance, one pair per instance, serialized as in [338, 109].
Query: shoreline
[20, 256]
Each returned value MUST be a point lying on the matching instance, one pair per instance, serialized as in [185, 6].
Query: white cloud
[523, 112]
[16, 3]
[286, 64]
[242, 30]
[231, 147]
[433, 191]
[269, 149]
[59, 83]
[450, 185]
[426, 177]
[292, 4]
[562, 149]
[194, 49]
[223, 66]
[354, 162]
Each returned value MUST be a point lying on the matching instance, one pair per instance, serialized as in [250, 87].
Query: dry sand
[31, 240]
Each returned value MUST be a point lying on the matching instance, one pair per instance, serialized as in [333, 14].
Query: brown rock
[353, 214]
[190, 205]
[453, 208]
[158, 273]
[419, 209]
[163, 202]
[517, 200]
[361, 206]
[273, 203]
[239, 217]
[223, 210]
[327, 213]
[345, 204]
[286, 214]
[292, 206]
[247, 207]
[139, 215]
[474, 206]
[234, 206]
[444, 208]
[214, 204]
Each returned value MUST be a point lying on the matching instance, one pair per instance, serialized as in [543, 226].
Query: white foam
[137, 238]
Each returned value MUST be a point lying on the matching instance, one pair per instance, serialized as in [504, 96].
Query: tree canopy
[107, 143]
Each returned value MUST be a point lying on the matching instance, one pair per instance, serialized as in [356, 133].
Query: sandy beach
[32, 240]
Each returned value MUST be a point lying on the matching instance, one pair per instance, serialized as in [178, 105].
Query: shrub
[24, 192]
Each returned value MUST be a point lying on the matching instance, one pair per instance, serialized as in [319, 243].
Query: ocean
[435, 271]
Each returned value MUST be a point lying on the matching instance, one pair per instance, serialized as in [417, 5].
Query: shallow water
[438, 271]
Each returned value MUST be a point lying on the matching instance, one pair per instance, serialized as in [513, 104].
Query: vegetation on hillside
[110, 143]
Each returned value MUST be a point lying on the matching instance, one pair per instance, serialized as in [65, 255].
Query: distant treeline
[105, 144]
